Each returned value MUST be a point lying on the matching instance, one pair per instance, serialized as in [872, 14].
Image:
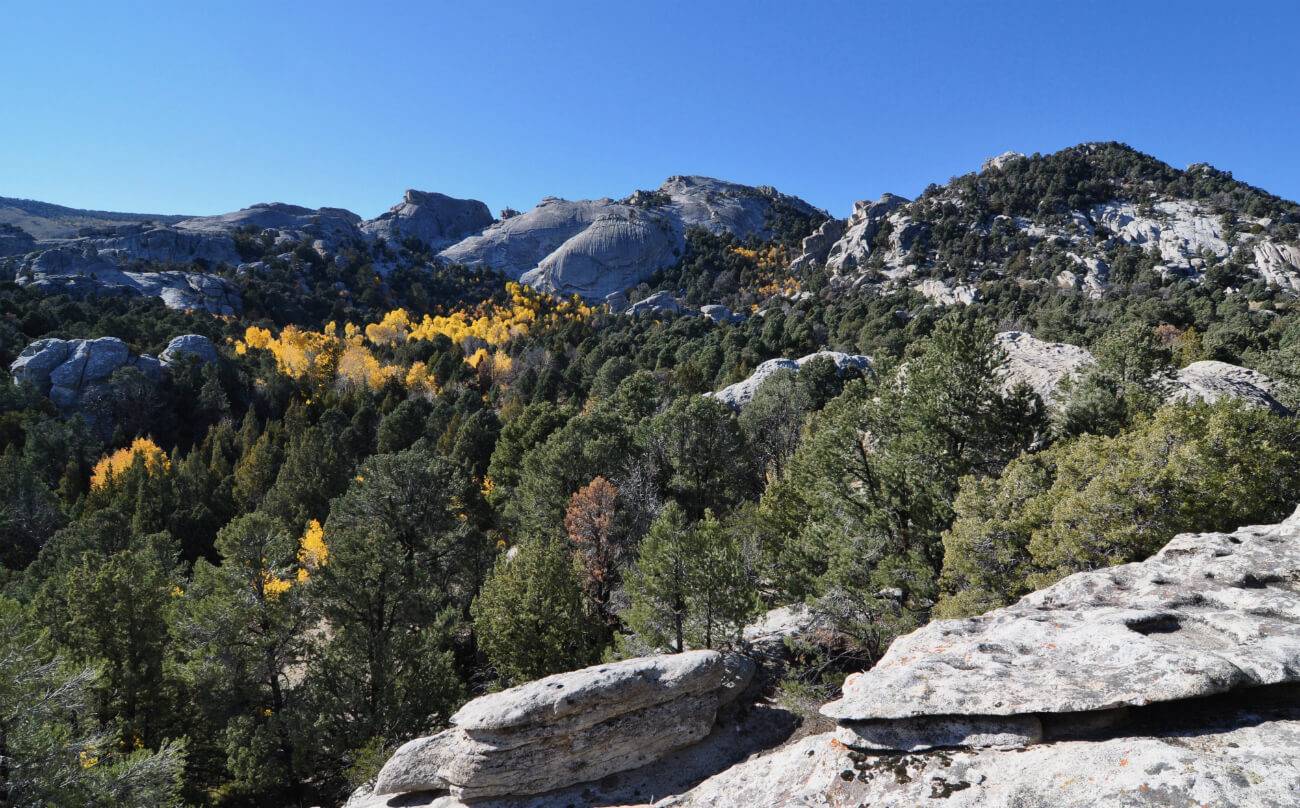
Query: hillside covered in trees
[402, 481]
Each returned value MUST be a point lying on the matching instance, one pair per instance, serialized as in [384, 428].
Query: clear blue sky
[206, 107]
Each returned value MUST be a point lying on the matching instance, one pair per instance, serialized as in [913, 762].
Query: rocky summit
[597, 247]
[1172, 681]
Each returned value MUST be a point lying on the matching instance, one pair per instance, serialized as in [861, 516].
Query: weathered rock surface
[947, 294]
[1211, 381]
[742, 392]
[769, 634]
[596, 247]
[333, 227]
[720, 314]
[570, 728]
[433, 218]
[1209, 613]
[1233, 758]
[856, 244]
[1173, 681]
[657, 303]
[1043, 366]
[78, 269]
[816, 248]
[75, 373]
[195, 345]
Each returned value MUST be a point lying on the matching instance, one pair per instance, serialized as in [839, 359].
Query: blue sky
[202, 108]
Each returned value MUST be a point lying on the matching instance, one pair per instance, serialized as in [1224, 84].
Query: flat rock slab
[1252, 763]
[596, 693]
[1209, 613]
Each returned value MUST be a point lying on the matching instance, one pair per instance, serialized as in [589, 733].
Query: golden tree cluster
[349, 358]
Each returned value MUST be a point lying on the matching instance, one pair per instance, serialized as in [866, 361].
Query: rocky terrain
[597, 247]
[591, 248]
[75, 373]
[1171, 681]
[1046, 366]
[892, 241]
[742, 392]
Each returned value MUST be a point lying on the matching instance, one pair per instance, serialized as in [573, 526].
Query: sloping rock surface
[1043, 366]
[1209, 613]
[742, 392]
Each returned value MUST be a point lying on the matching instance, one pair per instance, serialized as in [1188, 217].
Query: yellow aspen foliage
[87, 759]
[116, 464]
[313, 553]
[274, 586]
[419, 378]
[394, 328]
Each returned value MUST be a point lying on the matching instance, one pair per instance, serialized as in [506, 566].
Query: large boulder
[433, 218]
[657, 303]
[569, 728]
[742, 392]
[1042, 366]
[72, 373]
[195, 345]
[1212, 381]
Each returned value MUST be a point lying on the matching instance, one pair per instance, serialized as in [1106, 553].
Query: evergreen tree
[531, 618]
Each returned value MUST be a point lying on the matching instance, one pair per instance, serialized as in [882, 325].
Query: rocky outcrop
[944, 293]
[326, 228]
[195, 345]
[1279, 264]
[15, 241]
[75, 373]
[1211, 381]
[1170, 681]
[1001, 161]
[570, 728]
[742, 392]
[816, 248]
[658, 303]
[1046, 366]
[720, 314]
[433, 218]
[858, 241]
[597, 247]
[79, 270]
[1043, 366]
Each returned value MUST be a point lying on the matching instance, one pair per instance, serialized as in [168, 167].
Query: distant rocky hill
[1080, 219]
[1084, 220]
[591, 248]
[42, 220]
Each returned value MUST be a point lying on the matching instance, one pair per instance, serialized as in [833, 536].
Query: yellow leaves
[258, 338]
[274, 586]
[313, 552]
[349, 360]
[87, 759]
[750, 255]
[420, 379]
[487, 487]
[786, 287]
[117, 463]
[177, 592]
[394, 328]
